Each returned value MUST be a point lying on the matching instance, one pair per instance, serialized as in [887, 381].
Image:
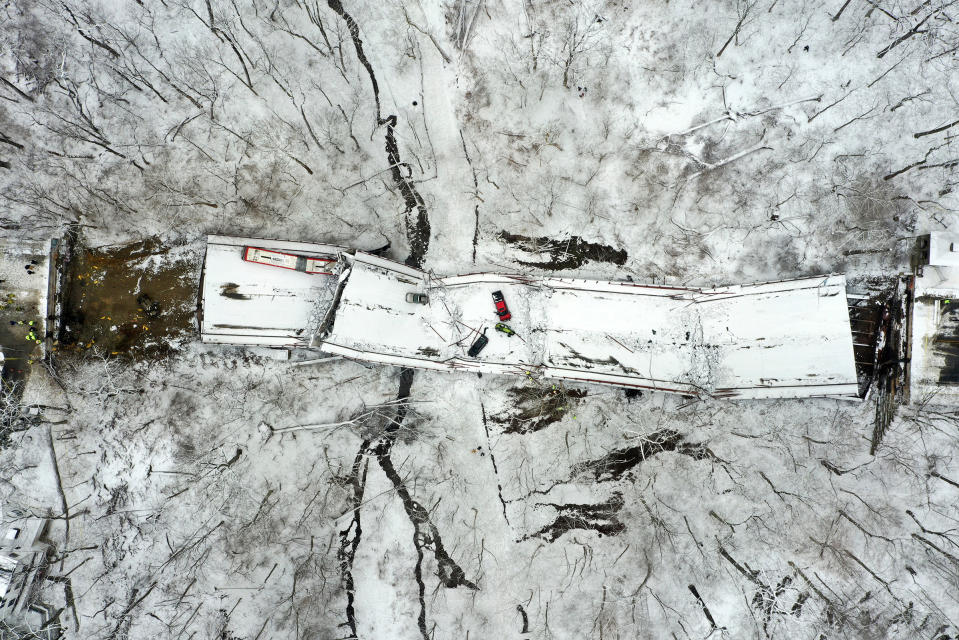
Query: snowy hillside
[205, 491]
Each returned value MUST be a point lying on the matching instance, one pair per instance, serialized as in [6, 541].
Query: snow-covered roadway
[786, 339]
[768, 340]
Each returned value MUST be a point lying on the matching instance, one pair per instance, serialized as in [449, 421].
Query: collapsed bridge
[786, 339]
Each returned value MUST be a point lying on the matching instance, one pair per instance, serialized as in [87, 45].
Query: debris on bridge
[786, 339]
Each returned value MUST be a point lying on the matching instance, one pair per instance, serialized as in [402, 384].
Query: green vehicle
[505, 328]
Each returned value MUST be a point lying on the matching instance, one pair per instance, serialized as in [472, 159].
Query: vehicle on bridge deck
[501, 309]
[306, 264]
[783, 339]
[786, 339]
[244, 303]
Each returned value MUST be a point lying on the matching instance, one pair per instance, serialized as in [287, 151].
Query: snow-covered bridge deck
[769, 340]
[252, 304]
[778, 339]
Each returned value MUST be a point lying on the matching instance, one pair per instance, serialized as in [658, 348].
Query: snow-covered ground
[210, 493]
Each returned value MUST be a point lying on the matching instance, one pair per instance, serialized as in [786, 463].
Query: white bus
[307, 264]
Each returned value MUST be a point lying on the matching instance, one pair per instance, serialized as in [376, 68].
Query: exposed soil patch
[614, 464]
[537, 407]
[601, 518]
[231, 290]
[632, 394]
[569, 253]
[131, 301]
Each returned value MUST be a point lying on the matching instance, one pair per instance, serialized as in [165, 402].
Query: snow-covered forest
[217, 492]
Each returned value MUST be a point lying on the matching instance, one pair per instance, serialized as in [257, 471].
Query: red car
[501, 309]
